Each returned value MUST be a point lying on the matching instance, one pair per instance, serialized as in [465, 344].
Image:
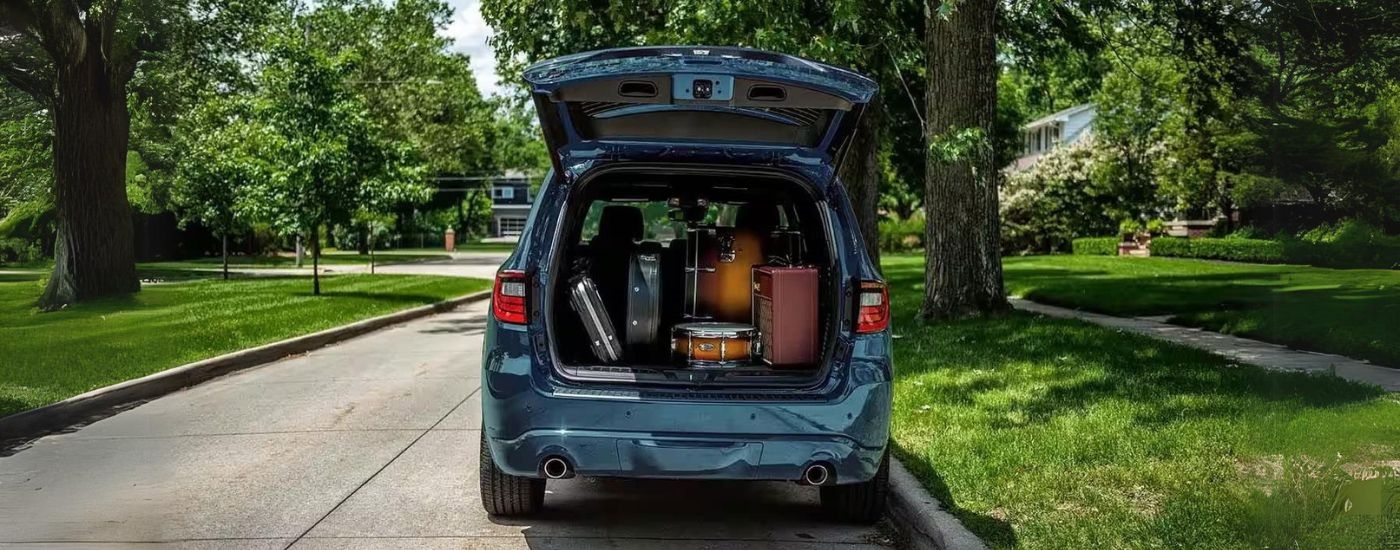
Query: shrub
[1246, 232]
[901, 235]
[1096, 246]
[1129, 228]
[1235, 250]
[1349, 243]
[19, 251]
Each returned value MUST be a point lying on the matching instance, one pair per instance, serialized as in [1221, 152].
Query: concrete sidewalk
[371, 443]
[1244, 350]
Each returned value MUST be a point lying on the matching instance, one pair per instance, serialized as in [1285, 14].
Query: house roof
[1059, 116]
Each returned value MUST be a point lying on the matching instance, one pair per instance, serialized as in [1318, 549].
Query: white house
[1062, 128]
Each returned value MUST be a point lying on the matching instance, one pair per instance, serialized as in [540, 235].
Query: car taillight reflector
[508, 298]
[874, 307]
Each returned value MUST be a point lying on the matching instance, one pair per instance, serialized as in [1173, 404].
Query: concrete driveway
[368, 444]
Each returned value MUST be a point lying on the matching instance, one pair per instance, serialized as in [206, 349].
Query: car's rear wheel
[862, 502]
[503, 494]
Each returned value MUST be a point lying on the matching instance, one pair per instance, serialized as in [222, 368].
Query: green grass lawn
[1051, 433]
[1351, 312]
[46, 357]
[486, 247]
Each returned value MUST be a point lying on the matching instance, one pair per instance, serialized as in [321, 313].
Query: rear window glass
[656, 226]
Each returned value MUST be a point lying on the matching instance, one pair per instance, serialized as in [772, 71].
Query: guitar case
[644, 298]
[585, 300]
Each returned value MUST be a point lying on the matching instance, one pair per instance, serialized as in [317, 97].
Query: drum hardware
[790, 242]
[726, 248]
[692, 273]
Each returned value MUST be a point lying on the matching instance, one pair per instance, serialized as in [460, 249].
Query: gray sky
[470, 33]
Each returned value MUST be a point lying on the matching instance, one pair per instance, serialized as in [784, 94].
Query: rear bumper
[628, 454]
[631, 432]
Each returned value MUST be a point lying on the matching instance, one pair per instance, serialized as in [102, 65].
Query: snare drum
[713, 344]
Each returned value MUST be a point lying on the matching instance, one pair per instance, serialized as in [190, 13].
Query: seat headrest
[620, 223]
[758, 217]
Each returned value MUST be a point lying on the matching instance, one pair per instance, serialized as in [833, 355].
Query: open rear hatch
[737, 102]
[722, 246]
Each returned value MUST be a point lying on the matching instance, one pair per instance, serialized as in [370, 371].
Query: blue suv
[690, 186]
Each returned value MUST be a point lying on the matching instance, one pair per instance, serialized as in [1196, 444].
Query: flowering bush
[1046, 206]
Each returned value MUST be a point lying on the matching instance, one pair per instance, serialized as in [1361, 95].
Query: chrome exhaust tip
[816, 474]
[556, 468]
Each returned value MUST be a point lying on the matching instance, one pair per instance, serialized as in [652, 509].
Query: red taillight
[508, 299]
[874, 307]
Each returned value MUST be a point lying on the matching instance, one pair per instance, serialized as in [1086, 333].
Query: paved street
[368, 444]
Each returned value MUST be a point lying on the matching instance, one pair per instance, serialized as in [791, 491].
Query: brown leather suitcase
[785, 311]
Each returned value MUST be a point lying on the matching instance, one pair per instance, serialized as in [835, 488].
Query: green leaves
[955, 146]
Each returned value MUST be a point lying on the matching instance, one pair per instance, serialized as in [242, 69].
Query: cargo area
[693, 278]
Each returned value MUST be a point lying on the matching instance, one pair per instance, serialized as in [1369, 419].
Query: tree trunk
[962, 266]
[94, 254]
[862, 178]
[466, 219]
[224, 238]
[461, 218]
[316, 259]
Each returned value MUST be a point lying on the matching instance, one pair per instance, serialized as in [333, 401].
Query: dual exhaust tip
[817, 474]
[555, 467]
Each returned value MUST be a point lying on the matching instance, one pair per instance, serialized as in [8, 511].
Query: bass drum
[726, 262]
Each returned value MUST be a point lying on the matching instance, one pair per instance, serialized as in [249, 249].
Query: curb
[922, 521]
[32, 424]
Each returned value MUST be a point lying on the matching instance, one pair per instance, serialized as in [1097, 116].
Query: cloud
[470, 32]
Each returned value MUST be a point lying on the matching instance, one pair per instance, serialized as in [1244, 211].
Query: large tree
[962, 230]
[76, 58]
[331, 158]
[221, 162]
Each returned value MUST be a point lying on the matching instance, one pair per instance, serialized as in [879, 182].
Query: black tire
[503, 494]
[862, 502]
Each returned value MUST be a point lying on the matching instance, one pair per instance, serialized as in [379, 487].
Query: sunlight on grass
[51, 356]
[1049, 433]
[1350, 312]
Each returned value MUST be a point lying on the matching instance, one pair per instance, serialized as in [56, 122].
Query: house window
[506, 193]
[1055, 135]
